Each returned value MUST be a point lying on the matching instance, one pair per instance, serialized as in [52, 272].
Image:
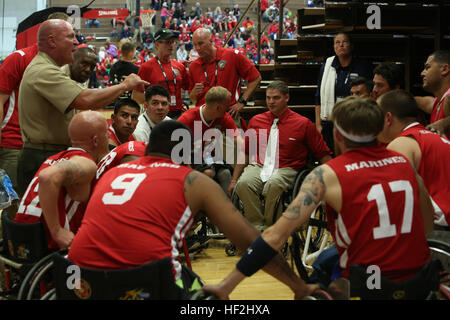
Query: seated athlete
[125, 152]
[377, 208]
[123, 121]
[294, 137]
[427, 152]
[202, 121]
[56, 194]
[140, 212]
[436, 80]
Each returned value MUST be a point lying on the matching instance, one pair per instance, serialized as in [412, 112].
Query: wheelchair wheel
[298, 182]
[317, 220]
[440, 251]
[38, 275]
[318, 224]
[295, 248]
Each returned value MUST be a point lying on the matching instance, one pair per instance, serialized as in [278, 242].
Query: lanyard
[206, 75]
[165, 76]
[148, 122]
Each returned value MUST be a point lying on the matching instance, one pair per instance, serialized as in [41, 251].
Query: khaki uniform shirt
[45, 94]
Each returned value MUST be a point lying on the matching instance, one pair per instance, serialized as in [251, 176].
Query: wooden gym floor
[212, 265]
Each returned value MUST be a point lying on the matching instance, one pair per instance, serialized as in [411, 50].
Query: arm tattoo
[191, 177]
[72, 171]
[311, 193]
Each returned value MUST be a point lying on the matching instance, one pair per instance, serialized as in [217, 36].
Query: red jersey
[113, 136]
[173, 76]
[438, 108]
[11, 72]
[380, 222]
[433, 167]
[112, 159]
[70, 211]
[226, 70]
[194, 115]
[137, 213]
[297, 136]
[193, 118]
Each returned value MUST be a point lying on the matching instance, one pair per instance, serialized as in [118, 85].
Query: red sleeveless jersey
[380, 222]
[433, 167]
[112, 159]
[137, 214]
[438, 108]
[70, 211]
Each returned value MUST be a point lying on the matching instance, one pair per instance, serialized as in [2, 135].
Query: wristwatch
[243, 101]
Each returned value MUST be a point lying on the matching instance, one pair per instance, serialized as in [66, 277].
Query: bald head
[57, 38]
[202, 33]
[85, 125]
[203, 44]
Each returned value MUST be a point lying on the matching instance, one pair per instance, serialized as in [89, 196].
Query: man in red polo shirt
[297, 136]
[166, 72]
[224, 67]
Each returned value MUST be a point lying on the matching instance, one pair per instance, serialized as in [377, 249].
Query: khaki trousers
[250, 188]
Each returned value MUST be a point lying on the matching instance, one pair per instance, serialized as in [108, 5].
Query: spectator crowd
[177, 17]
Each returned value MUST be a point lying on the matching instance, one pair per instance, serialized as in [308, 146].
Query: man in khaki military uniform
[48, 97]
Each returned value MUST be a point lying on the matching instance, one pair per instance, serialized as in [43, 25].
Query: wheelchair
[431, 283]
[151, 281]
[309, 240]
[22, 247]
[204, 230]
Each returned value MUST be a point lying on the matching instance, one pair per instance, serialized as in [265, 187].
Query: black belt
[45, 146]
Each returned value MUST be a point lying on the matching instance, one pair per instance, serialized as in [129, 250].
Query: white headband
[354, 138]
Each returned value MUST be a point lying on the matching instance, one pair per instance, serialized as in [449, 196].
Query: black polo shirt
[345, 76]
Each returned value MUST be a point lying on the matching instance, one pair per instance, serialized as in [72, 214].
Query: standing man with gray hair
[217, 66]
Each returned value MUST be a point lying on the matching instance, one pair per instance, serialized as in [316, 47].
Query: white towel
[327, 89]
